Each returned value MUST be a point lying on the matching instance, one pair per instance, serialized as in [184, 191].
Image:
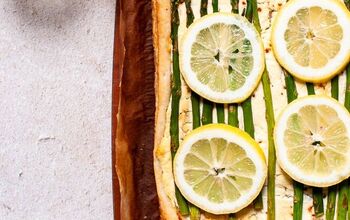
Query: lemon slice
[312, 141]
[311, 39]
[219, 168]
[222, 57]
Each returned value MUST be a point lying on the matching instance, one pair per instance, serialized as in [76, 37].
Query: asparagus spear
[234, 4]
[310, 89]
[317, 197]
[342, 200]
[249, 128]
[347, 106]
[345, 184]
[232, 217]
[292, 94]
[348, 199]
[195, 213]
[194, 97]
[195, 110]
[204, 10]
[343, 197]
[248, 117]
[298, 188]
[175, 101]
[215, 5]
[247, 110]
[233, 115]
[189, 13]
[317, 194]
[220, 112]
[207, 114]
[332, 191]
[247, 104]
[347, 4]
[270, 118]
[347, 89]
[330, 210]
[233, 108]
[335, 87]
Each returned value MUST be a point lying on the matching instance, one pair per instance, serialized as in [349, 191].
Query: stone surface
[55, 102]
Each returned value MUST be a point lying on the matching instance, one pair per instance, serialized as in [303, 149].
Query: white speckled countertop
[55, 102]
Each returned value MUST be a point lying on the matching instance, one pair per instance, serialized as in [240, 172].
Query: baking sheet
[133, 110]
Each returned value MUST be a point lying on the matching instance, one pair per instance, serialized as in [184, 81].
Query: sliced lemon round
[219, 168]
[311, 39]
[222, 57]
[312, 141]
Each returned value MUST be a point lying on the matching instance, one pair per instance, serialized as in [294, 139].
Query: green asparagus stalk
[343, 198]
[249, 11]
[195, 110]
[248, 117]
[298, 188]
[232, 217]
[215, 5]
[347, 89]
[219, 107]
[233, 115]
[347, 106]
[220, 112]
[175, 101]
[331, 199]
[249, 128]
[207, 114]
[298, 199]
[189, 13]
[348, 200]
[195, 213]
[247, 110]
[330, 210]
[335, 87]
[234, 4]
[204, 9]
[317, 197]
[194, 97]
[317, 194]
[233, 108]
[332, 191]
[310, 89]
[292, 94]
[270, 118]
[347, 4]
